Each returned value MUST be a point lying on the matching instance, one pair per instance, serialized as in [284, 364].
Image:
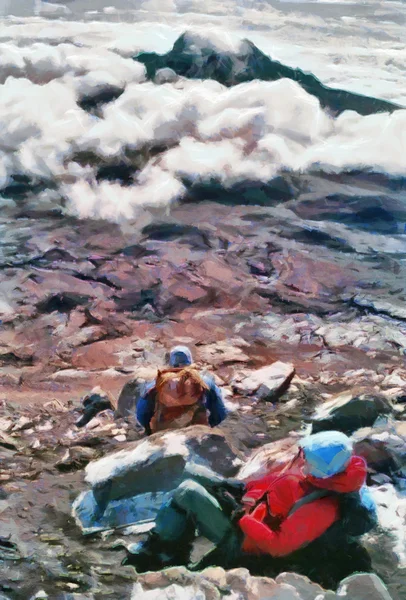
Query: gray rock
[280, 592]
[76, 458]
[304, 587]
[127, 399]
[383, 446]
[69, 596]
[350, 411]
[363, 586]
[224, 352]
[267, 383]
[387, 545]
[165, 75]
[213, 583]
[253, 588]
[172, 592]
[130, 485]
[131, 391]
[177, 583]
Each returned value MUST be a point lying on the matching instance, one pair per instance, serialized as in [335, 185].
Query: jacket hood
[326, 453]
[180, 356]
[350, 480]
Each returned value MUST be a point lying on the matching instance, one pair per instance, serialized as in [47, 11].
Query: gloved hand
[228, 496]
[273, 522]
[233, 486]
[237, 514]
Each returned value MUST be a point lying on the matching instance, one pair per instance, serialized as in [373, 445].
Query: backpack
[179, 399]
[358, 513]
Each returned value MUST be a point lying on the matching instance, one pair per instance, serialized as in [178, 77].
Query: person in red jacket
[319, 497]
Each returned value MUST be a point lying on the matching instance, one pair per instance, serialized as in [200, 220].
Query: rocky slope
[86, 304]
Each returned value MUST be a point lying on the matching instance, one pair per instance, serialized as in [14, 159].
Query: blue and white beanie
[327, 453]
[180, 356]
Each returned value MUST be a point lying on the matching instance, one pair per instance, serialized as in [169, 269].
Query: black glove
[229, 494]
[92, 407]
[237, 514]
[227, 502]
[233, 486]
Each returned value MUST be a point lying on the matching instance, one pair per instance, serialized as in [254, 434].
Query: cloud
[154, 189]
[198, 130]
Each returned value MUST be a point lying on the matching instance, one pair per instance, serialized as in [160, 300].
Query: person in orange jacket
[318, 498]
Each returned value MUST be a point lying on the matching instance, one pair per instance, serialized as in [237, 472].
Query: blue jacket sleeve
[146, 406]
[214, 402]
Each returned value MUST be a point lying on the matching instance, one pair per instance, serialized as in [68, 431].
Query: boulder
[130, 485]
[236, 584]
[126, 402]
[270, 456]
[241, 582]
[267, 383]
[387, 545]
[375, 452]
[383, 446]
[223, 353]
[350, 411]
[94, 403]
[363, 586]
[75, 458]
[165, 75]
[127, 399]
[306, 589]
[172, 592]
[178, 583]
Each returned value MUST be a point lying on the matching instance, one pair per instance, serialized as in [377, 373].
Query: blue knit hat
[180, 356]
[327, 453]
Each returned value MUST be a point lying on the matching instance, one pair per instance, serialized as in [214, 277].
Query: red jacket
[308, 522]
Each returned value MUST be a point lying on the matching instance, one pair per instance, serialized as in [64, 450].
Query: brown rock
[99, 355]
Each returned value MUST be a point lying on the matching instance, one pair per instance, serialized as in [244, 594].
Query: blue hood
[180, 356]
[327, 453]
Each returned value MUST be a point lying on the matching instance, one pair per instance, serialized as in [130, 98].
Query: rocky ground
[85, 304]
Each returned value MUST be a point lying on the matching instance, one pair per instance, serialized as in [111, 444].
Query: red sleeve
[305, 525]
[257, 488]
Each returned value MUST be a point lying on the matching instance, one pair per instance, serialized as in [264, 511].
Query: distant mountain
[196, 57]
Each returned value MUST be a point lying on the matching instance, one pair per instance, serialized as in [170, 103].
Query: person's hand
[233, 486]
[238, 514]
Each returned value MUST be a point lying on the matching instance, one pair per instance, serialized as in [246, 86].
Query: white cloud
[155, 189]
[249, 131]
